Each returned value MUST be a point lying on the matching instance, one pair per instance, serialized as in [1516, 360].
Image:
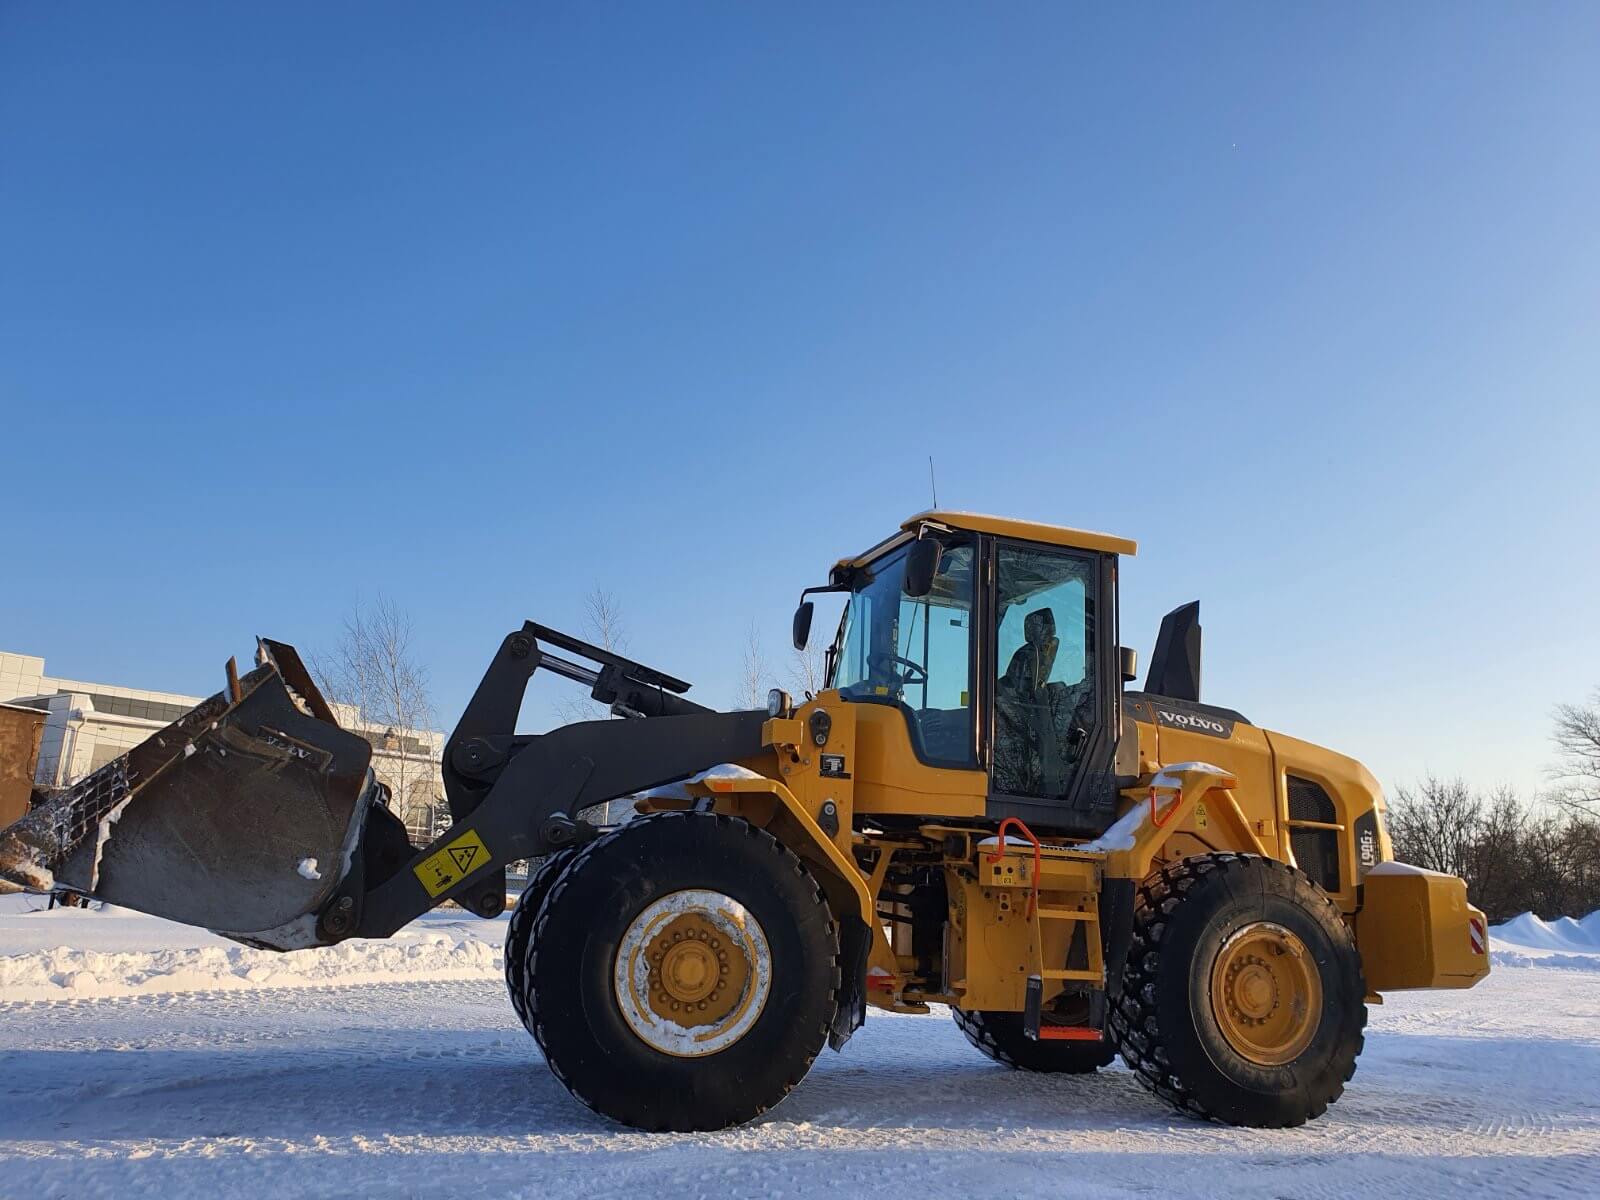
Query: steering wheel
[920, 672]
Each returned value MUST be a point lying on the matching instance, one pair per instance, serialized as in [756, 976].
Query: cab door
[1051, 686]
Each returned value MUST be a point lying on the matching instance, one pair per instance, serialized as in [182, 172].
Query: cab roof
[1027, 531]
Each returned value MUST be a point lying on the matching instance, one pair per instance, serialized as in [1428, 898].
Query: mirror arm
[803, 612]
[824, 587]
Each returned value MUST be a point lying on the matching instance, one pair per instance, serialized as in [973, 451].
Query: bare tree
[1514, 859]
[603, 621]
[808, 669]
[372, 671]
[1434, 825]
[603, 626]
[1577, 767]
[754, 677]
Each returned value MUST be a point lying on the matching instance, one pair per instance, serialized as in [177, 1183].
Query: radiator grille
[1316, 850]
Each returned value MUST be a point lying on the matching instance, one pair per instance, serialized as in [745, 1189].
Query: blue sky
[480, 307]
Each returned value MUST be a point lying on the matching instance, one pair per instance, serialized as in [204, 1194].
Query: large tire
[999, 1035]
[1243, 998]
[606, 973]
[521, 926]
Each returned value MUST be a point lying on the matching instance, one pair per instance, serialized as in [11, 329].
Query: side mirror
[1130, 663]
[802, 624]
[922, 564]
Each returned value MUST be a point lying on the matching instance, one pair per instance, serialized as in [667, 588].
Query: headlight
[778, 703]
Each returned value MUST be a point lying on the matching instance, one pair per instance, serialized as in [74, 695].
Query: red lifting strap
[1038, 857]
[1158, 823]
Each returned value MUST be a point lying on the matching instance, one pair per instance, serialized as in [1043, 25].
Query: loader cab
[1002, 660]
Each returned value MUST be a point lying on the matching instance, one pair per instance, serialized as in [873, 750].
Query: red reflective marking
[1068, 1033]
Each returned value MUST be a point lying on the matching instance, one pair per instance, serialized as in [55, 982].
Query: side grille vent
[1316, 850]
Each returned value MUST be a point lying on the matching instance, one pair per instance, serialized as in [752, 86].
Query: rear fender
[1159, 808]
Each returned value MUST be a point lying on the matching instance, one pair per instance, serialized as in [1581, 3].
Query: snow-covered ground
[205, 1078]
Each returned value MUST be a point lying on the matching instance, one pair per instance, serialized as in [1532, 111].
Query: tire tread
[788, 861]
[1134, 1021]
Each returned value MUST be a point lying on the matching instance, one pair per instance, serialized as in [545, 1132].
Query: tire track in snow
[432, 1088]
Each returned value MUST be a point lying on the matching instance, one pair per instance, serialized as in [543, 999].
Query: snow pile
[67, 974]
[1528, 941]
[84, 954]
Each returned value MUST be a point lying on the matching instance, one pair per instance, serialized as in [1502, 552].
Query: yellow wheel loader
[976, 811]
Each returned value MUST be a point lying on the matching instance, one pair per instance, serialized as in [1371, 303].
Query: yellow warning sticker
[453, 862]
[1200, 815]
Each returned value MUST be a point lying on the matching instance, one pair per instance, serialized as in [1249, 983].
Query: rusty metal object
[21, 730]
[296, 677]
[212, 820]
[36, 848]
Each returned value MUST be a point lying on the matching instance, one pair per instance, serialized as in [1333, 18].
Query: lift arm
[257, 816]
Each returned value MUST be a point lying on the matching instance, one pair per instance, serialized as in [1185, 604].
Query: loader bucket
[242, 816]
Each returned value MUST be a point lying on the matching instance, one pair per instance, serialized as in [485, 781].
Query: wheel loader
[978, 811]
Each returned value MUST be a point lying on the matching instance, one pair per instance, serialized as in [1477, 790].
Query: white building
[89, 724]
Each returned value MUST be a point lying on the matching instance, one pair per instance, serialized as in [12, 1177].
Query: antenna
[932, 486]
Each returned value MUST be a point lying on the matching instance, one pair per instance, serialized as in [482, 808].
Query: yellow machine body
[1195, 783]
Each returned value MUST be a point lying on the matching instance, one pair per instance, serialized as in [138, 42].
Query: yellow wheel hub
[697, 973]
[1266, 994]
[692, 973]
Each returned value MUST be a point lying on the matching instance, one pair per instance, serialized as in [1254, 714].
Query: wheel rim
[692, 973]
[1266, 994]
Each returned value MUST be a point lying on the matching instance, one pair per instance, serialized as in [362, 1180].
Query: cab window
[1045, 687]
[914, 653]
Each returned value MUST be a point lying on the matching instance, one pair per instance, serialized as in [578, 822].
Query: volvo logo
[1194, 722]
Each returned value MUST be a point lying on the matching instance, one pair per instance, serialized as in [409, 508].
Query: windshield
[915, 654]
